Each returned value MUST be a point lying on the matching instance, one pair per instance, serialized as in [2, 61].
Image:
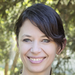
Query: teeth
[35, 59]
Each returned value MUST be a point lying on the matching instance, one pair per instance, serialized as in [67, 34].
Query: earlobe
[63, 46]
[59, 50]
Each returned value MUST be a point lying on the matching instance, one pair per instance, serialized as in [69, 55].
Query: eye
[27, 40]
[46, 40]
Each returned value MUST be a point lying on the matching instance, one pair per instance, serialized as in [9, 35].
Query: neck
[27, 72]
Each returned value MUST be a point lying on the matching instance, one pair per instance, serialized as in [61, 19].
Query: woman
[40, 36]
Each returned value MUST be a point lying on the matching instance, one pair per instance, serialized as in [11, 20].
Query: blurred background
[10, 62]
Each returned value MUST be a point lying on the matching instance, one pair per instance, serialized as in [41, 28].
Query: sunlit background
[10, 62]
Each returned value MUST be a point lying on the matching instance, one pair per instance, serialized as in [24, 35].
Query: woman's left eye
[46, 40]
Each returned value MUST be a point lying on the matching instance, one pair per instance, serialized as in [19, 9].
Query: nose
[35, 48]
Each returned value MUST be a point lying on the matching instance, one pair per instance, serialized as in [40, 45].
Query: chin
[36, 69]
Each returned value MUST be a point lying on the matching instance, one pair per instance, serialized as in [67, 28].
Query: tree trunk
[14, 63]
[6, 68]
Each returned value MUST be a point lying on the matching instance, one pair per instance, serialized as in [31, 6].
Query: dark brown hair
[46, 19]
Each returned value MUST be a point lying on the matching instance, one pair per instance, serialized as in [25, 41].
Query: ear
[63, 46]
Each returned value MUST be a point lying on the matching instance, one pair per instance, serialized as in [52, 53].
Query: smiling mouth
[36, 60]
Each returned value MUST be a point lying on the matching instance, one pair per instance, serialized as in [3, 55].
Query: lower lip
[36, 62]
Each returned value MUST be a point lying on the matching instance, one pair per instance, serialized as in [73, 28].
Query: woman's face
[36, 50]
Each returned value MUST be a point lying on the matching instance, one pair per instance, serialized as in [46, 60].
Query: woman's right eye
[27, 40]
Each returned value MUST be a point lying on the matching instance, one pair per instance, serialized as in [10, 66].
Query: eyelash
[26, 40]
[46, 40]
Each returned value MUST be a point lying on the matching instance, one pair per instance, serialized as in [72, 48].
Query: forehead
[29, 29]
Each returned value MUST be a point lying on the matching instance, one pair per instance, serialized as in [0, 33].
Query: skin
[32, 43]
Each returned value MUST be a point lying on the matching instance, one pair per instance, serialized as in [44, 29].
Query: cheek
[50, 49]
[24, 48]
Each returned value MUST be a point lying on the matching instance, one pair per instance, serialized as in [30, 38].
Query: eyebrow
[43, 36]
[30, 35]
[26, 35]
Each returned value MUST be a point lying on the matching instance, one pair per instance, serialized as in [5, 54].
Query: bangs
[47, 23]
[45, 18]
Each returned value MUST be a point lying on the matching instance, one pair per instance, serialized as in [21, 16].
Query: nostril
[35, 50]
[28, 57]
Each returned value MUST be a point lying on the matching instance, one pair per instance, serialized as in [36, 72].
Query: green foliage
[10, 11]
